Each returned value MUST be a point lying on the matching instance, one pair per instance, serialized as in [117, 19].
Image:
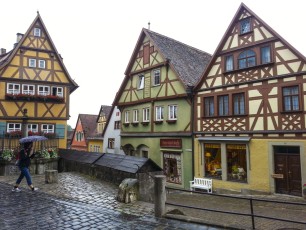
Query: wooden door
[288, 165]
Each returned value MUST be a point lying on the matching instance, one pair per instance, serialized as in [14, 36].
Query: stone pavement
[76, 202]
[229, 204]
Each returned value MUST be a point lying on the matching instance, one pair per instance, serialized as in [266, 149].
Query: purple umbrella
[32, 139]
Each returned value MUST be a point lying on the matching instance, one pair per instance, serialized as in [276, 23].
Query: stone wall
[38, 166]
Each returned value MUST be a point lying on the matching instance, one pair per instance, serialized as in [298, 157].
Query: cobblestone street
[76, 202]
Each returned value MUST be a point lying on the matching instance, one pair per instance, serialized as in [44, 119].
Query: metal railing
[251, 213]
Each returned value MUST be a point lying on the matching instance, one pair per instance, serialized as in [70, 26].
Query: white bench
[201, 183]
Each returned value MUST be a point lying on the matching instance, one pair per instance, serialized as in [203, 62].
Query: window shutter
[2, 128]
[60, 131]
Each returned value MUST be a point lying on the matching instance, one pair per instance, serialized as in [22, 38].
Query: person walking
[25, 156]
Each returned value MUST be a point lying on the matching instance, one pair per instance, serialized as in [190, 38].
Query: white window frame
[45, 91]
[28, 91]
[146, 115]
[41, 64]
[59, 91]
[32, 129]
[141, 81]
[159, 113]
[126, 117]
[135, 115]
[156, 73]
[32, 62]
[172, 112]
[47, 128]
[37, 32]
[14, 127]
[15, 88]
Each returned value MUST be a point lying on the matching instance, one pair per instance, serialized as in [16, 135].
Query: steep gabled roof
[89, 124]
[7, 58]
[106, 109]
[186, 61]
[241, 8]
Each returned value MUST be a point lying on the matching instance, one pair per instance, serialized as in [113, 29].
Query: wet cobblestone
[76, 202]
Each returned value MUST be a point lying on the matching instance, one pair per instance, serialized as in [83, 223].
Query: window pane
[236, 162]
[212, 156]
[245, 26]
[229, 65]
[265, 55]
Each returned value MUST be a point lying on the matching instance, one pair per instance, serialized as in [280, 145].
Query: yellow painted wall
[95, 143]
[260, 168]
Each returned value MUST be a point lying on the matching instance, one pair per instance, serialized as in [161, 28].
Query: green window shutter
[60, 131]
[2, 128]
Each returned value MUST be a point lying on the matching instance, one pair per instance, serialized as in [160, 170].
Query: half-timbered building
[155, 106]
[250, 111]
[35, 86]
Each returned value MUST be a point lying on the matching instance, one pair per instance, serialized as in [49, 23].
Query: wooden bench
[201, 183]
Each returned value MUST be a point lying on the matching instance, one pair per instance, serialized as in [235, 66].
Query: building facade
[35, 86]
[155, 107]
[250, 111]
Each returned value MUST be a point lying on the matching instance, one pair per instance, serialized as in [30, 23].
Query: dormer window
[246, 59]
[37, 32]
[245, 26]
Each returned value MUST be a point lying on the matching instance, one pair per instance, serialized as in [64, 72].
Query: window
[47, 128]
[126, 117]
[146, 115]
[223, 105]
[32, 63]
[117, 125]
[37, 32]
[79, 136]
[111, 143]
[245, 26]
[159, 116]
[236, 162]
[156, 77]
[13, 88]
[173, 167]
[291, 98]
[265, 54]
[57, 91]
[28, 89]
[33, 128]
[12, 127]
[141, 82]
[229, 63]
[172, 112]
[43, 90]
[212, 156]
[135, 115]
[246, 59]
[239, 105]
[41, 64]
[209, 107]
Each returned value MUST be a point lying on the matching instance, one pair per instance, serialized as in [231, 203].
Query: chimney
[19, 36]
[2, 51]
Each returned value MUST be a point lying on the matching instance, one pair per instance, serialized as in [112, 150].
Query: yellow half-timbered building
[35, 86]
[250, 111]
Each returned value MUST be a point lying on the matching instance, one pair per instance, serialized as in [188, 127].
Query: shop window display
[212, 156]
[236, 162]
[172, 167]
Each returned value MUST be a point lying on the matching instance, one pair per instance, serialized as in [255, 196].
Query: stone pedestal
[51, 176]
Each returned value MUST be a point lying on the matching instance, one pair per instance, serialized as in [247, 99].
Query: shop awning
[225, 139]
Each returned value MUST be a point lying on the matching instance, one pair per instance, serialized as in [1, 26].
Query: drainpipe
[190, 95]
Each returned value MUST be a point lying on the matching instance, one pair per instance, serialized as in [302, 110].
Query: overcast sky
[96, 38]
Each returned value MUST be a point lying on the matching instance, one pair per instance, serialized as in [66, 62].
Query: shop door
[288, 165]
